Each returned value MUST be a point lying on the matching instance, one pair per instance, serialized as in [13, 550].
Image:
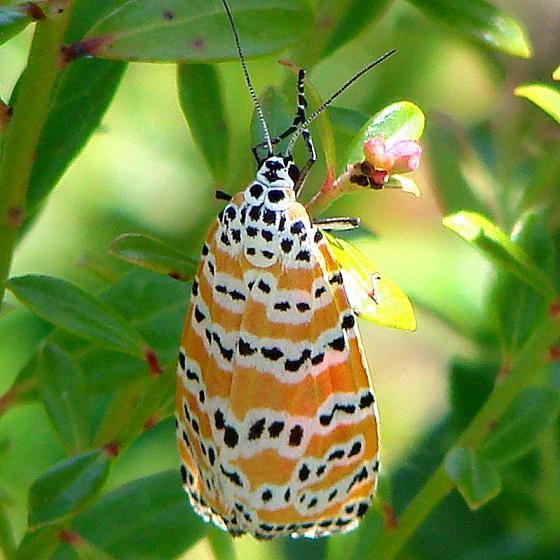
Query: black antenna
[303, 126]
[254, 97]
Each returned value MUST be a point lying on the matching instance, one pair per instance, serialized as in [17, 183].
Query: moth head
[278, 171]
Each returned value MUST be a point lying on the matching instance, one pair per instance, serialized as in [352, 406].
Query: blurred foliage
[88, 467]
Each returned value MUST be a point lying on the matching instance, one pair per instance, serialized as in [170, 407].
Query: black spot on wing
[198, 315]
[275, 428]
[295, 365]
[263, 287]
[362, 475]
[356, 448]
[231, 437]
[256, 430]
[336, 278]
[272, 354]
[319, 292]
[304, 473]
[245, 349]
[326, 419]
[182, 360]
[233, 476]
[282, 305]
[348, 321]
[366, 400]
[338, 343]
[296, 435]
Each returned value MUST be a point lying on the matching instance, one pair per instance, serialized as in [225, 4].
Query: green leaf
[454, 170]
[514, 306]
[544, 96]
[389, 307]
[119, 526]
[358, 14]
[87, 551]
[481, 21]
[399, 121]
[476, 478]
[470, 383]
[64, 397]
[156, 306]
[221, 544]
[82, 94]
[196, 31]
[200, 96]
[278, 113]
[72, 309]
[153, 254]
[67, 487]
[522, 425]
[38, 544]
[495, 244]
[12, 21]
[7, 539]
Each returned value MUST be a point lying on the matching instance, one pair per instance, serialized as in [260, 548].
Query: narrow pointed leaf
[543, 96]
[82, 94]
[399, 121]
[375, 298]
[201, 101]
[476, 477]
[153, 254]
[197, 31]
[76, 311]
[481, 21]
[496, 245]
[64, 396]
[522, 425]
[66, 488]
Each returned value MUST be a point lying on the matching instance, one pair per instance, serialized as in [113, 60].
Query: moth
[276, 416]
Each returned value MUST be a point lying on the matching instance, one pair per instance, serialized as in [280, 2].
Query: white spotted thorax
[276, 416]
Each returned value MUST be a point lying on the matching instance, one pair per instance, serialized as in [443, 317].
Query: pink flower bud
[376, 153]
[401, 157]
[406, 154]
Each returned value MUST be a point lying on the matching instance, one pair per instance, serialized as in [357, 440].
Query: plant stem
[527, 365]
[22, 134]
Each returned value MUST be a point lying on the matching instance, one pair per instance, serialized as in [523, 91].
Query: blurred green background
[140, 172]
